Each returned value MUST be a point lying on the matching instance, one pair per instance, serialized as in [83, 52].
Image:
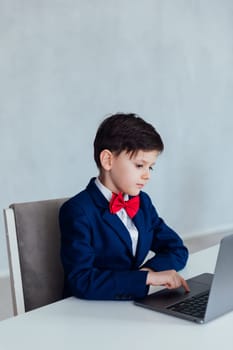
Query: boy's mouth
[140, 186]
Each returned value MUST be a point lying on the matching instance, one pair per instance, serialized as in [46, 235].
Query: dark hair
[126, 132]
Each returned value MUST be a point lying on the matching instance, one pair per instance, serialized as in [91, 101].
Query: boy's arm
[170, 252]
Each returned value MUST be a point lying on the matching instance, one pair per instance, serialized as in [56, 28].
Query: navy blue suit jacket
[96, 247]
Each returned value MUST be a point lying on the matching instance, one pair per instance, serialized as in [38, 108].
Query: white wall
[65, 64]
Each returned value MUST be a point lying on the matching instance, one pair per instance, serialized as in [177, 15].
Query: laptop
[211, 295]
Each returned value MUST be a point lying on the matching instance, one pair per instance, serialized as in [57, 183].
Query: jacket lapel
[111, 219]
[144, 238]
[117, 225]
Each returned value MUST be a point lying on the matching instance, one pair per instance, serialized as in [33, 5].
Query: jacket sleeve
[169, 249]
[82, 278]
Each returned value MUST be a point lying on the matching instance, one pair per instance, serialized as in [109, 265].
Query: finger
[185, 285]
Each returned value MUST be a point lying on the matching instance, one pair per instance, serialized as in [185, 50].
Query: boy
[109, 228]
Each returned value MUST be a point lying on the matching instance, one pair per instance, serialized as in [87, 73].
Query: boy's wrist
[148, 278]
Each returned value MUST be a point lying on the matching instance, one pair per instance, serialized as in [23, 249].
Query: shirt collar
[105, 191]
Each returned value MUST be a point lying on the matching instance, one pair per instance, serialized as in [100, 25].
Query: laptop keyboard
[194, 306]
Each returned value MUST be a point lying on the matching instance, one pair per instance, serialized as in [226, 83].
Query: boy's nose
[146, 175]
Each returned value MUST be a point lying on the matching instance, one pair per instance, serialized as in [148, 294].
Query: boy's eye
[141, 166]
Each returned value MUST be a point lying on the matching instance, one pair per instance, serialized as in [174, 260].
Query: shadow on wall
[195, 244]
[6, 309]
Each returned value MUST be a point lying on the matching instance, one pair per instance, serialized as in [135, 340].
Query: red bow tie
[117, 203]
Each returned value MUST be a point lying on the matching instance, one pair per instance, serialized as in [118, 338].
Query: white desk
[78, 324]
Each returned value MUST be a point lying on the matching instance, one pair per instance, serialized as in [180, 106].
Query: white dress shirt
[133, 232]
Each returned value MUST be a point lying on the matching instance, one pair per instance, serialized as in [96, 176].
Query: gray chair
[33, 243]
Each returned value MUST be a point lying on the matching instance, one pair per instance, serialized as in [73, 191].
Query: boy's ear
[106, 157]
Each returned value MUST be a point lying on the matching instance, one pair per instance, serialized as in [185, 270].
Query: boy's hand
[169, 279]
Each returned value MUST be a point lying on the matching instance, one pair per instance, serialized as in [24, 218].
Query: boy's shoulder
[77, 201]
[85, 200]
[145, 198]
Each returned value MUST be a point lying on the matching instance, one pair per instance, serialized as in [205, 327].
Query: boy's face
[129, 174]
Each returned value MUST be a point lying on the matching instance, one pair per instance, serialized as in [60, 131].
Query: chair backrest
[33, 242]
